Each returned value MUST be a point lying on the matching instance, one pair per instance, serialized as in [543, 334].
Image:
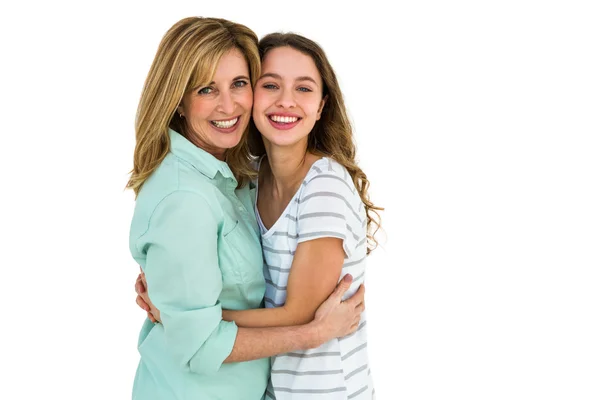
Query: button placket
[236, 201]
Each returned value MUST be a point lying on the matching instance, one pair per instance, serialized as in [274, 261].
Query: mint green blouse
[196, 238]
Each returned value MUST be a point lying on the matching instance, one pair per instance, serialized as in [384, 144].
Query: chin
[230, 142]
[283, 140]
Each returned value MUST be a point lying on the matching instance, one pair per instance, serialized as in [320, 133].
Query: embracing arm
[325, 238]
[181, 231]
[184, 282]
[333, 318]
[315, 271]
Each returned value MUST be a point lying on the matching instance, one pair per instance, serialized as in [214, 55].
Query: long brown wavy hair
[187, 58]
[332, 133]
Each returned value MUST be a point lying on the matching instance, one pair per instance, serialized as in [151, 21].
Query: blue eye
[269, 86]
[240, 84]
[304, 89]
[205, 90]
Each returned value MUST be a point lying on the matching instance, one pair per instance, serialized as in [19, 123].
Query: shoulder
[178, 212]
[330, 206]
[328, 175]
[173, 189]
[175, 175]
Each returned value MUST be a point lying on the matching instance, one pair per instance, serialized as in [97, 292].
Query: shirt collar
[200, 159]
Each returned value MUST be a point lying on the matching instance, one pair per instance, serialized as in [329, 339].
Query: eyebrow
[237, 78]
[277, 76]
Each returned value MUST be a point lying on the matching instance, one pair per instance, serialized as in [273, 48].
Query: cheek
[260, 104]
[201, 109]
[245, 100]
[259, 99]
[311, 107]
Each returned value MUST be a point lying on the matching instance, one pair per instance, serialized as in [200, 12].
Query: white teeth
[285, 120]
[225, 124]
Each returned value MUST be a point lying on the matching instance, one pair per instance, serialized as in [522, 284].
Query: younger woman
[314, 214]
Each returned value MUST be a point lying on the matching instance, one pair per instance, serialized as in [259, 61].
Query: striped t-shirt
[326, 205]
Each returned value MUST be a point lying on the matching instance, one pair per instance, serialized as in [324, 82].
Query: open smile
[283, 121]
[226, 125]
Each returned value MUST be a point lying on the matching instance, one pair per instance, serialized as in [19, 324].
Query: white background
[477, 123]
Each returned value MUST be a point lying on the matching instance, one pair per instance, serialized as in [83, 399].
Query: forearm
[268, 317]
[255, 343]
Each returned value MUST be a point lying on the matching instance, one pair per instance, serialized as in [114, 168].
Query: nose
[286, 99]
[226, 103]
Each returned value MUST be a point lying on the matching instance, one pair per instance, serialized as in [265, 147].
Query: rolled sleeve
[185, 281]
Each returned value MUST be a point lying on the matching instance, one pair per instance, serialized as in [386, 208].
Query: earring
[180, 115]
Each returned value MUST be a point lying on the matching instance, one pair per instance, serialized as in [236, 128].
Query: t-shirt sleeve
[329, 206]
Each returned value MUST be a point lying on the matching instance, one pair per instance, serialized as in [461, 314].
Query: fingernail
[348, 278]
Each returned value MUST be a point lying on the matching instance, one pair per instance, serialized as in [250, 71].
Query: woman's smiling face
[288, 97]
[216, 115]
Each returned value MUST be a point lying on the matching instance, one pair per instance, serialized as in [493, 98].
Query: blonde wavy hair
[332, 134]
[187, 58]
